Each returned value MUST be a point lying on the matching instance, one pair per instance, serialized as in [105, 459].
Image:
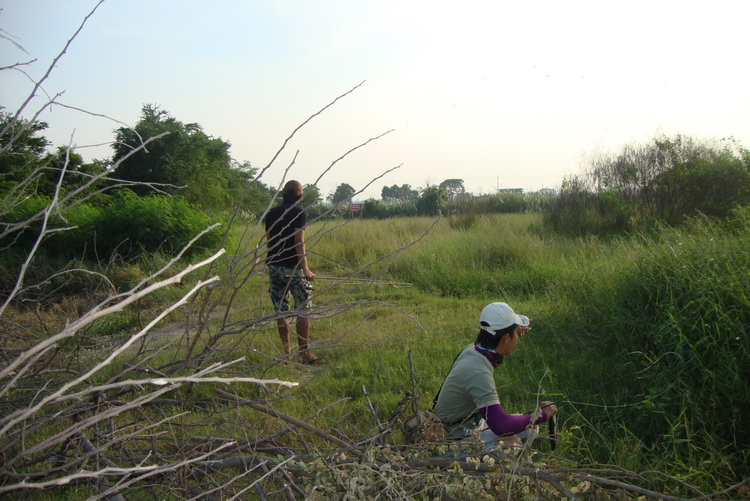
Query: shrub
[20, 213]
[375, 209]
[578, 211]
[133, 224]
[75, 227]
[463, 222]
[128, 224]
[81, 220]
[710, 182]
[686, 303]
[669, 181]
[432, 201]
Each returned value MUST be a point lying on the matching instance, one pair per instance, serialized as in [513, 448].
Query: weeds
[673, 302]
[642, 340]
[667, 181]
[602, 310]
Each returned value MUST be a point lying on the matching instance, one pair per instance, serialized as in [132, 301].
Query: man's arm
[299, 246]
[505, 424]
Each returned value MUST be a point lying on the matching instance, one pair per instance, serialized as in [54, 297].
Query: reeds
[665, 313]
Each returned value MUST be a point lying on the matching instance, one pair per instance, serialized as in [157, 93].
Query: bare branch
[300, 126]
[88, 318]
[289, 419]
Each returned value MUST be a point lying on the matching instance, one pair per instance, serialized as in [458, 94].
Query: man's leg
[284, 334]
[302, 302]
[279, 289]
[303, 337]
[494, 442]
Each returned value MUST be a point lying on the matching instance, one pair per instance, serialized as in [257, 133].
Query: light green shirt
[468, 387]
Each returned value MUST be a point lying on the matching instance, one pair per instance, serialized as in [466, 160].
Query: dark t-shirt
[281, 223]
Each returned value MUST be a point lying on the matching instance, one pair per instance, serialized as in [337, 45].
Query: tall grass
[650, 330]
[647, 335]
[668, 180]
[690, 294]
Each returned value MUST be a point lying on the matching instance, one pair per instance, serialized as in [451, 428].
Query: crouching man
[467, 402]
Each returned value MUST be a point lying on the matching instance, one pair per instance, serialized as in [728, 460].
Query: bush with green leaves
[691, 292]
[432, 201]
[579, 211]
[74, 227]
[668, 180]
[497, 203]
[186, 161]
[671, 304]
[132, 224]
[375, 209]
[128, 225]
[703, 179]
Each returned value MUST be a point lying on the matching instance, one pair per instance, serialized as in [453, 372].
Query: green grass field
[644, 338]
[648, 333]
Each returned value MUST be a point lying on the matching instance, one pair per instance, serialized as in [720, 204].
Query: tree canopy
[432, 201]
[343, 193]
[186, 161]
[397, 193]
[22, 150]
[453, 188]
[27, 168]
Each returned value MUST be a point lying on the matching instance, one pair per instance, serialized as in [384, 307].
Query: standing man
[468, 401]
[287, 267]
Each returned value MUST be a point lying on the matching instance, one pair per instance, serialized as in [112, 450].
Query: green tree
[186, 161]
[396, 193]
[76, 170]
[343, 193]
[311, 195]
[242, 185]
[22, 152]
[454, 188]
[432, 201]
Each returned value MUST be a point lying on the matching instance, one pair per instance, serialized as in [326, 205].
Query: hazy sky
[499, 94]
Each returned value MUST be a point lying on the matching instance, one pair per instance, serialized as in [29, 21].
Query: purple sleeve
[506, 424]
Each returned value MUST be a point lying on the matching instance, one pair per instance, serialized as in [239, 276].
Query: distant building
[510, 190]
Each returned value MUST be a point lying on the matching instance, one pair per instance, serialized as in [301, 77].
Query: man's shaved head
[292, 191]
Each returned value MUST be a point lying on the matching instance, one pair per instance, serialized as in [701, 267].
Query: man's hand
[309, 275]
[549, 409]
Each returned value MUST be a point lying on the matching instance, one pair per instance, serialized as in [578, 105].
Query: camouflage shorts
[281, 285]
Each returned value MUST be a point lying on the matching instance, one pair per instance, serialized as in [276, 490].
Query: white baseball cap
[498, 316]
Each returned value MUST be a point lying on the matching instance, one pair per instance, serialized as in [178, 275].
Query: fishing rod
[552, 422]
[358, 280]
[608, 382]
[390, 283]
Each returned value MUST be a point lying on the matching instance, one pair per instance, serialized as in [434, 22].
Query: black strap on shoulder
[460, 420]
[434, 400]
